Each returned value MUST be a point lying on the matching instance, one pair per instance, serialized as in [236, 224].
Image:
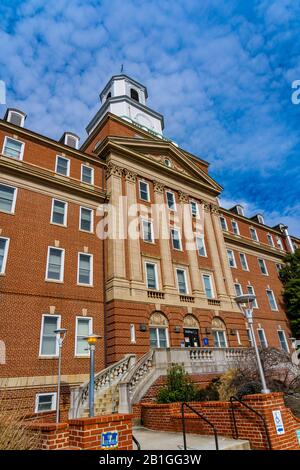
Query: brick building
[58, 270]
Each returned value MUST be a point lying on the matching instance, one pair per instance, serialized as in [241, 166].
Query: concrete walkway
[159, 440]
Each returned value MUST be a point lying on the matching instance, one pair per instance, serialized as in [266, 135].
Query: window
[279, 243]
[223, 223]
[167, 162]
[85, 269]
[181, 281]
[4, 243]
[208, 286]
[231, 259]
[171, 201]
[8, 196]
[55, 264]
[249, 336]
[151, 276]
[238, 289]
[16, 118]
[244, 262]
[13, 148]
[59, 212]
[194, 208]
[158, 337]
[262, 338]
[263, 267]
[144, 191]
[49, 339]
[270, 240]
[250, 291]
[271, 299]
[62, 166]
[132, 333]
[240, 210]
[134, 94]
[84, 327]
[45, 402]
[238, 338]
[87, 174]
[147, 231]
[235, 227]
[201, 246]
[86, 222]
[260, 219]
[253, 234]
[278, 267]
[219, 339]
[282, 340]
[176, 240]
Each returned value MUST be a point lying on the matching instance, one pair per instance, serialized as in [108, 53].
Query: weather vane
[122, 68]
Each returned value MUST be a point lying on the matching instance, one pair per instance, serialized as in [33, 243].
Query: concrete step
[160, 440]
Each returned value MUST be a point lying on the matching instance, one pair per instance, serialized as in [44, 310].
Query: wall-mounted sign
[278, 422]
[205, 341]
[109, 440]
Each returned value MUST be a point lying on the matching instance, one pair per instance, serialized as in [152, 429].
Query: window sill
[55, 281]
[87, 231]
[7, 212]
[84, 285]
[58, 225]
[47, 357]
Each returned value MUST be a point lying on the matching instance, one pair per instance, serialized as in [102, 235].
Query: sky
[220, 72]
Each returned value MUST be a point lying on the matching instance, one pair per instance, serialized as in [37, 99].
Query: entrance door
[191, 338]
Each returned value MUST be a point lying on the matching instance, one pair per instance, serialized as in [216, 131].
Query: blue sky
[219, 71]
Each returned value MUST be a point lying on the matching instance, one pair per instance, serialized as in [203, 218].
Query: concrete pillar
[134, 249]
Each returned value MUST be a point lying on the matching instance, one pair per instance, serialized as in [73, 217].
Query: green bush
[179, 387]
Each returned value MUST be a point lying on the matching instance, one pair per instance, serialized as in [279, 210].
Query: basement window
[45, 402]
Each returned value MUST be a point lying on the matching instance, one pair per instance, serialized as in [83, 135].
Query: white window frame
[16, 140]
[157, 335]
[260, 219]
[256, 239]
[92, 173]
[198, 237]
[274, 300]
[174, 200]
[279, 243]
[62, 270]
[225, 223]
[233, 258]
[5, 257]
[65, 212]
[56, 164]
[197, 209]
[270, 238]
[41, 335]
[243, 255]
[80, 317]
[53, 406]
[132, 333]
[255, 303]
[285, 340]
[174, 229]
[238, 337]
[185, 280]
[266, 273]
[211, 285]
[148, 191]
[14, 201]
[264, 335]
[234, 223]
[91, 270]
[12, 111]
[156, 275]
[148, 221]
[92, 219]
[240, 288]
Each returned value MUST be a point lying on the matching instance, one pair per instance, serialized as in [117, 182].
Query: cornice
[27, 171]
[249, 221]
[43, 140]
[248, 243]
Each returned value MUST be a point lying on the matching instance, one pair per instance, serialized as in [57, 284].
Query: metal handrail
[236, 433]
[136, 442]
[200, 416]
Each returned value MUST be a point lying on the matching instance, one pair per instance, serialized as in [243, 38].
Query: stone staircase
[124, 383]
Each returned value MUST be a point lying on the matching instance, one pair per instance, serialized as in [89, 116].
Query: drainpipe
[284, 230]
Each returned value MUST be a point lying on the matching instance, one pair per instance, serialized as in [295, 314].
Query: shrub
[210, 393]
[179, 387]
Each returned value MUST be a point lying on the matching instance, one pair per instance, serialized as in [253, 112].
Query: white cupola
[126, 98]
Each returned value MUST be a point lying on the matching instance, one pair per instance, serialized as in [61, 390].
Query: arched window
[134, 94]
[167, 162]
[219, 332]
[158, 328]
[191, 332]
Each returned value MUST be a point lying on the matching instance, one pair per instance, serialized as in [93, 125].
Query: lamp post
[92, 340]
[245, 303]
[62, 334]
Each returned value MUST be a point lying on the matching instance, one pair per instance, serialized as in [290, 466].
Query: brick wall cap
[48, 426]
[263, 396]
[100, 419]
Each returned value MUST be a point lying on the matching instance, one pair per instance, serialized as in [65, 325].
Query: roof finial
[122, 68]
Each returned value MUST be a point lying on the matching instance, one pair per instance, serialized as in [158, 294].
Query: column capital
[206, 205]
[113, 169]
[215, 209]
[130, 176]
[158, 187]
[183, 197]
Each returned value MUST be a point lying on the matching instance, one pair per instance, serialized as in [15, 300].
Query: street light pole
[92, 340]
[62, 334]
[245, 303]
